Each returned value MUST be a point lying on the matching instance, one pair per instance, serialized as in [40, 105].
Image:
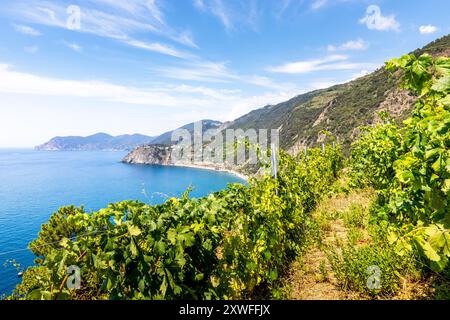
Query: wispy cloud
[186, 38]
[317, 4]
[218, 72]
[220, 11]
[328, 63]
[231, 14]
[156, 47]
[119, 24]
[198, 71]
[26, 30]
[374, 20]
[223, 104]
[199, 4]
[283, 6]
[75, 47]
[357, 45]
[25, 83]
[428, 29]
[149, 12]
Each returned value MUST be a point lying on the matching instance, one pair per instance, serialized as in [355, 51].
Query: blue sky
[147, 66]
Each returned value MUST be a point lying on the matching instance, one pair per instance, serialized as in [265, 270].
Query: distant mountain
[99, 141]
[103, 141]
[166, 138]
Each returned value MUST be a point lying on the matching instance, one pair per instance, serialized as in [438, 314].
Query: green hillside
[340, 109]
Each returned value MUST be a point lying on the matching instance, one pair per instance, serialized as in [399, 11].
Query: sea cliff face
[150, 154]
[162, 155]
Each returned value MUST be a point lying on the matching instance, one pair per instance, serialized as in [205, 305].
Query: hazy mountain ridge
[103, 141]
[99, 141]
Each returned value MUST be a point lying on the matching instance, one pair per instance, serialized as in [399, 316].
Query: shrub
[373, 269]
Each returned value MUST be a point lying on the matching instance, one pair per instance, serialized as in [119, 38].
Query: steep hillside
[339, 109]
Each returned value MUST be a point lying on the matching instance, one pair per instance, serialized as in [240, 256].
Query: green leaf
[35, 295]
[141, 285]
[446, 186]
[442, 85]
[273, 275]
[133, 248]
[134, 230]
[160, 247]
[172, 235]
[443, 65]
[189, 239]
[431, 153]
[428, 250]
[109, 284]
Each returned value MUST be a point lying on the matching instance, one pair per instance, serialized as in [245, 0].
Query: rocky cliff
[150, 154]
[161, 155]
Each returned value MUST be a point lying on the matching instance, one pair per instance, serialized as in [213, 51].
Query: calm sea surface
[33, 184]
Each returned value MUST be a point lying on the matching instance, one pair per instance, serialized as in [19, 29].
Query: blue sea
[34, 184]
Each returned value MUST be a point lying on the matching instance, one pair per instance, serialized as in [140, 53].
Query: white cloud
[266, 82]
[428, 29]
[374, 20]
[218, 72]
[187, 39]
[247, 104]
[120, 25]
[199, 71]
[323, 84]
[14, 82]
[283, 6]
[360, 74]
[24, 83]
[196, 101]
[328, 63]
[219, 10]
[154, 10]
[156, 47]
[231, 13]
[357, 45]
[317, 4]
[142, 9]
[199, 4]
[73, 46]
[26, 30]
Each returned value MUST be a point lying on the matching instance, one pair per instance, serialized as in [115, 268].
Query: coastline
[161, 155]
[211, 168]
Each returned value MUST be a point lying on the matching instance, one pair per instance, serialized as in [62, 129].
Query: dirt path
[311, 277]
